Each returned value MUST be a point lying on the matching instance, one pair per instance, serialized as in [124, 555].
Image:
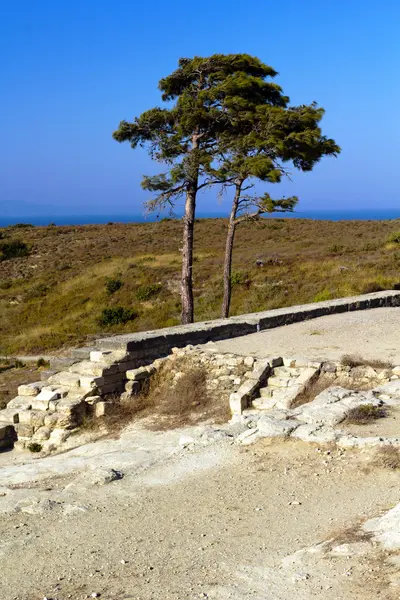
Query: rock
[30, 389]
[268, 427]
[386, 529]
[248, 361]
[102, 476]
[36, 506]
[186, 440]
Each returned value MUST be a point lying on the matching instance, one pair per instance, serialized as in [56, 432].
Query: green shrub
[34, 447]
[238, 278]
[13, 249]
[113, 285]
[336, 249]
[148, 291]
[18, 364]
[394, 237]
[116, 316]
[41, 362]
[21, 226]
[324, 295]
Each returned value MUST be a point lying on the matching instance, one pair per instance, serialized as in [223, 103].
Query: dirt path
[214, 522]
[372, 333]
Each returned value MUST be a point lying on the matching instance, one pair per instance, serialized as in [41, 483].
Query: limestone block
[25, 431]
[237, 403]
[248, 361]
[396, 370]
[95, 369]
[50, 420]
[32, 417]
[103, 408]
[315, 434]
[30, 389]
[307, 376]
[133, 387]
[22, 402]
[264, 403]
[65, 378]
[268, 427]
[41, 434]
[99, 355]
[40, 404]
[278, 382]
[392, 388]
[138, 374]
[58, 436]
[286, 397]
[9, 415]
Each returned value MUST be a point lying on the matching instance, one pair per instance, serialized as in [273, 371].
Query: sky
[71, 70]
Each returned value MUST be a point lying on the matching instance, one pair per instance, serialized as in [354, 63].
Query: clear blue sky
[70, 70]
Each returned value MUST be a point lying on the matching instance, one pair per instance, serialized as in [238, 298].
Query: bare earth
[371, 333]
[214, 522]
[219, 521]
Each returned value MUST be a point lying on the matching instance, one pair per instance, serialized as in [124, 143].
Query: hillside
[55, 295]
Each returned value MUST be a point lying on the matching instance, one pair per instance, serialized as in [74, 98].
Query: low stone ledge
[161, 341]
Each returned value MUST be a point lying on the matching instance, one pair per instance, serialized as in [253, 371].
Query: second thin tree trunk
[187, 315]
[226, 302]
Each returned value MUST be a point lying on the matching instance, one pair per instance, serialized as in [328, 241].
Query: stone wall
[44, 413]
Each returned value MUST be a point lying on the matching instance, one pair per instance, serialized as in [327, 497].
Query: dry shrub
[355, 360]
[365, 413]
[165, 404]
[184, 402]
[311, 392]
[387, 457]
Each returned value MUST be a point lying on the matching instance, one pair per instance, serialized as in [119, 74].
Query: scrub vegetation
[57, 294]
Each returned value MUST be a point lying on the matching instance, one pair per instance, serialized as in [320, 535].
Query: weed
[370, 288]
[113, 285]
[393, 238]
[355, 360]
[116, 316]
[238, 278]
[365, 413]
[41, 362]
[18, 364]
[336, 249]
[146, 292]
[322, 296]
[387, 457]
[34, 447]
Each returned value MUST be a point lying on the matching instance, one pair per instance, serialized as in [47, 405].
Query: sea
[93, 219]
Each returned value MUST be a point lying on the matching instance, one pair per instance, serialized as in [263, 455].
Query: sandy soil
[370, 333]
[213, 522]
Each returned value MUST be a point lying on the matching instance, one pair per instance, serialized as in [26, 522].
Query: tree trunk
[226, 302]
[187, 315]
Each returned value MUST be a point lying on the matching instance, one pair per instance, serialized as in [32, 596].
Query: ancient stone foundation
[89, 383]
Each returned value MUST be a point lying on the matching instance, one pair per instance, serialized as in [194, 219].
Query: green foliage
[336, 249]
[34, 447]
[13, 249]
[116, 316]
[238, 278]
[394, 237]
[113, 285]
[18, 364]
[146, 292]
[322, 296]
[21, 226]
[41, 362]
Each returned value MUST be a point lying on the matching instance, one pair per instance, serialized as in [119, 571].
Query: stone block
[65, 378]
[133, 387]
[95, 369]
[21, 402]
[137, 374]
[99, 355]
[248, 361]
[25, 431]
[103, 408]
[90, 383]
[9, 416]
[268, 427]
[30, 389]
[41, 434]
[47, 394]
[32, 417]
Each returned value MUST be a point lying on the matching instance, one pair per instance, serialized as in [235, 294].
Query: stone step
[65, 378]
[279, 382]
[286, 372]
[22, 402]
[9, 416]
[82, 353]
[266, 392]
[95, 369]
[263, 403]
[30, 389]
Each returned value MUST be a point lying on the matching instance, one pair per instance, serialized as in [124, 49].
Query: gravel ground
[215, 522]
[371, 333]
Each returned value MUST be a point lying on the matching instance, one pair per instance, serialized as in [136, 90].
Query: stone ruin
[262, 393]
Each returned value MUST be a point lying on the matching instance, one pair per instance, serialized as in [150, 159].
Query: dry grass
[355, 360]
[166, 405]
[11, 377]
[387, 457]
[311, 392]
[53, 297]
[364, 414]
